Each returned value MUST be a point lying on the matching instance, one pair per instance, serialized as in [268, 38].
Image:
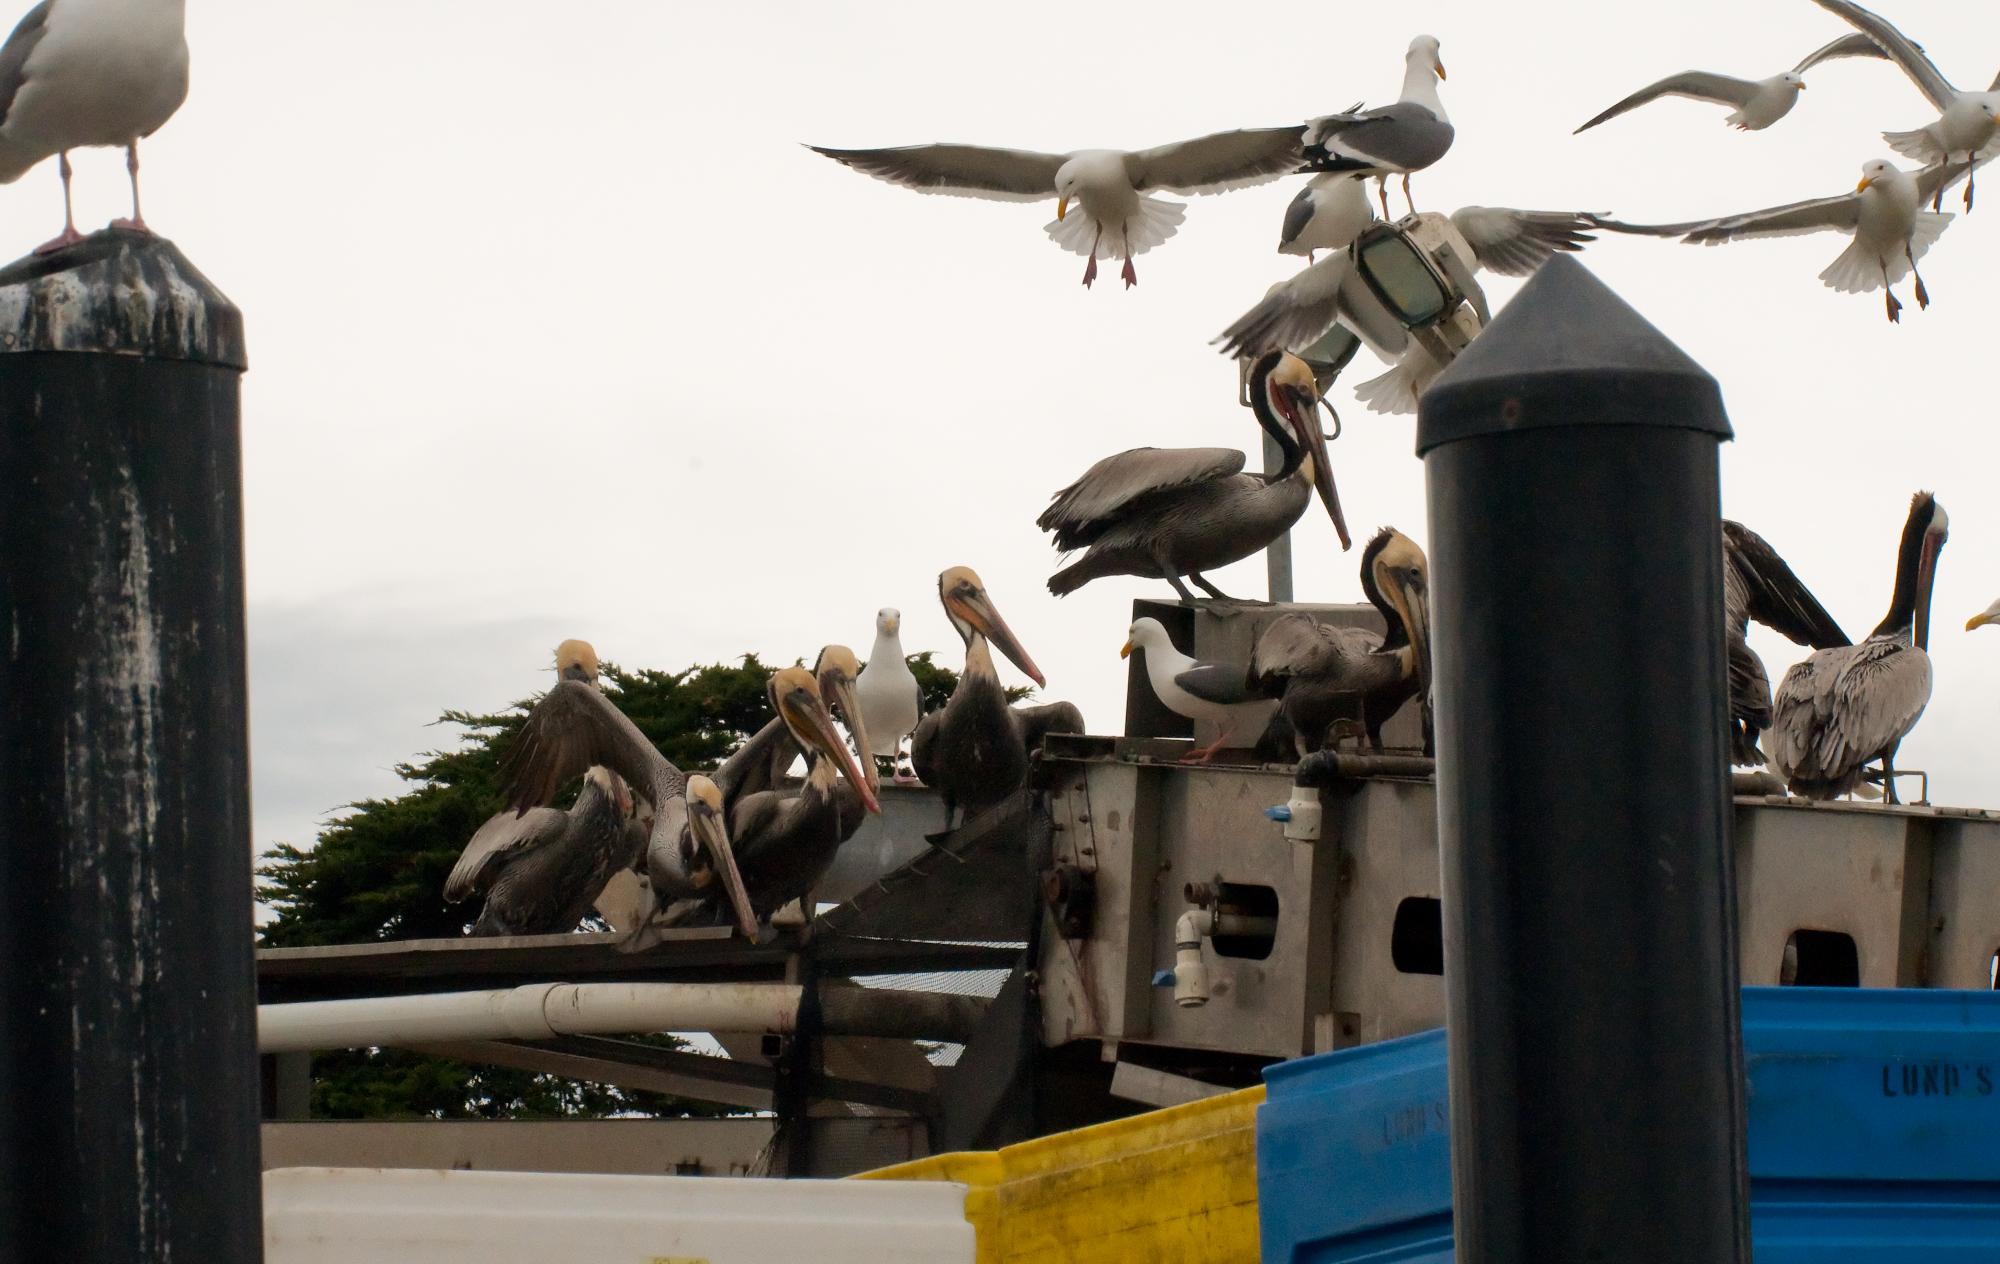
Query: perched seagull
[1219, 692]
[1966, 122]
[1328, 214]
[891, 700]
[1758, 102]
[1989, 615]
[1393, 140]
[1883, 216]
[1107, 185]
[1844, 708]
[77, 73]
[1295, 313]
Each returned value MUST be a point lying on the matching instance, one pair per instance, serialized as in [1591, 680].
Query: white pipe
[1190, 972]
[537, 1011]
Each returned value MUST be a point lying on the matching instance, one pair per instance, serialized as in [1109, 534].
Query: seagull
[1219, 692]
[890, 698]
[1966, 123]
[1758, 102]
[1297, 312]
[1328, 214]
[1395, 139]
[1108, 186]
[78, 73]
[1883, 216]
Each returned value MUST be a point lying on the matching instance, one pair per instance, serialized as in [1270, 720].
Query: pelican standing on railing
[1844, 708]
[974, 750]
[575, 726]
[1757, 584]
[540, 872]
[1169, 512]
[1324, 674]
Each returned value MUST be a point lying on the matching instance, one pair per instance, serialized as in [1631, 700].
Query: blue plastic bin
[1874, 1137]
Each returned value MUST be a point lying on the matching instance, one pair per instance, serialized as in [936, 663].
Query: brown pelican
[1846, 707]
[1756, 584]
[541, 872]
[1218, 692]
[575, 726]
[1169, 512]
[974, 750]
[783, 841]
[1323, 673]
[891, 700]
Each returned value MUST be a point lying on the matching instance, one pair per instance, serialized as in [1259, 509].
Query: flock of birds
[739, 845]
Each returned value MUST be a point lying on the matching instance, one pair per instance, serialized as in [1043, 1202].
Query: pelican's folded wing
[1006, 175]
[504, 836]
[1758, 584]
[1212, 164]
[1080, 512]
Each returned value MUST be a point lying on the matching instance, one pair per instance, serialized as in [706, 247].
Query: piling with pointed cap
[1571, 458]
[128, 1090]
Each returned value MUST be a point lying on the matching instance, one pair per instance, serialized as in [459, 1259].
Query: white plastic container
[398, 1216]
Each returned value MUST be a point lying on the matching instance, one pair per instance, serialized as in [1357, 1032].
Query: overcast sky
[556, 331]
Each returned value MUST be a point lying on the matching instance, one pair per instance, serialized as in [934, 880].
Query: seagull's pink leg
[69, 236]
[1090, 269]
[137, 221]
[1131, 277]
[1923, 296]
[1382, 191]
[1207, 754]
[1406, 194]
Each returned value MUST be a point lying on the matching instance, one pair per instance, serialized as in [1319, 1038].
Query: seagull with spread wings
[1756, 103]
[1108, 187]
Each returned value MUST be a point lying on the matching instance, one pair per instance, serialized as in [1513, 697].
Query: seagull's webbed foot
[134, 224]
[66, 238]
[1131, 277]
[1206, 754]
[1895, 307]
[1923, 295]
[1090, 272]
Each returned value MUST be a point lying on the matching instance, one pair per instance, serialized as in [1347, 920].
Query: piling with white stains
[128, 1092]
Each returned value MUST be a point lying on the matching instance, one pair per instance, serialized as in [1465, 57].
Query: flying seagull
[1883, 215]
[1967, 122]
[1108, 186]
[1757, 103]
[78, 73]
[1393, 140]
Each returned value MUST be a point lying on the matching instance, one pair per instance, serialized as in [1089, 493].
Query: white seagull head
[1424, 52]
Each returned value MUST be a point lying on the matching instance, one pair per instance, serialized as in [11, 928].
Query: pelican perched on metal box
[1757, 584]
[1169, 512]
[575, 726]
[974, 750]
[1844, 708]
[1324, 674]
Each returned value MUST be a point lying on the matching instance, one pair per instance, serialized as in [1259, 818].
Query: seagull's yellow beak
[1865, 182]
[1440, 68]
[1062, 207]
[1800, 86]
[1981, 619]
[1126, 652]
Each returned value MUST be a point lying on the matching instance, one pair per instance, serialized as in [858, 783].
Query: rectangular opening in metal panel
[1416, 941]
[1820, 958]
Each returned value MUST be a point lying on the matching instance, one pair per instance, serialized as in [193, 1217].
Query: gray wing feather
[1213, 164]
[1006, 175]
[1901, 49]
[1404, 136]
[1515, 243]
[1942, 176]
[1699, 85]
[1223, 683]
[504, 837]
[1299, 645]
[1757, 584]
[571, 728]
[1841, 707]
[1298, 214]
[1840, 213]
[1036, 723]
[1294, 314]
[1117, 481]
[14, 54]
[1856, 45]
[923, 744]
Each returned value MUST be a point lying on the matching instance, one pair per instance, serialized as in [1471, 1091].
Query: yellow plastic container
[1175, 1186]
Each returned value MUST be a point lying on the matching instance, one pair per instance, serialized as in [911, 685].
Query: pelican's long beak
[1926, 576]
[1126, 652]
[1062, 207]
[1305, 420]
[621, 794]
[842, 689]
[979, 612]
[809, 716]
[1414, 601]
[711, 833]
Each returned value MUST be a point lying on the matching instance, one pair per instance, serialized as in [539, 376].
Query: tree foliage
[377, 872]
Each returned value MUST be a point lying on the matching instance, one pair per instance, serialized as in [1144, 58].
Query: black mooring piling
[1583, 790]
[128, 1089]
